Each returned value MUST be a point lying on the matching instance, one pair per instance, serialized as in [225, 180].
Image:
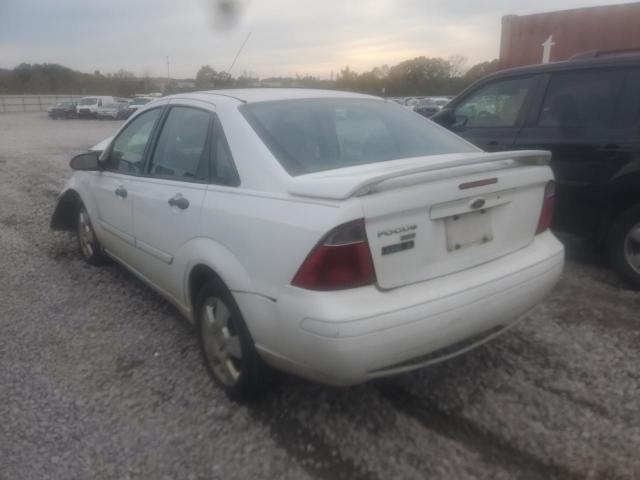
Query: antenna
[168, 73]
[238, 54]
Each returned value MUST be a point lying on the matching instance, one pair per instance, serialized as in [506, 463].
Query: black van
[586, 111]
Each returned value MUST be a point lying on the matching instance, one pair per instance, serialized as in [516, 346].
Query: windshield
[88, 101]
[140, 101]
[315, 135]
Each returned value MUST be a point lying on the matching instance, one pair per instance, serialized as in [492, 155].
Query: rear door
[167, 200]
[124, 161]
[574, 120]
[624, 145]
[492, 116]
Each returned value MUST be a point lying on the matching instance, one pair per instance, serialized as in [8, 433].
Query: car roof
[254, 95]
[628, 60]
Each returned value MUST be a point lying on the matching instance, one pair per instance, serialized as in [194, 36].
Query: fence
[32, 103]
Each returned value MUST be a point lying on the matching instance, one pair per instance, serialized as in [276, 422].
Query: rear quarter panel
[268, 235]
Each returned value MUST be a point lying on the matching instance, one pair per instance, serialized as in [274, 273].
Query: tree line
[50, 78]
[417, 76]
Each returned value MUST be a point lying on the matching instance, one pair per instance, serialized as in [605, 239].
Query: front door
[167, 200]
[112, 186]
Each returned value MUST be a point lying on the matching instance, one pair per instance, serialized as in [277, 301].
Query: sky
[287, 37]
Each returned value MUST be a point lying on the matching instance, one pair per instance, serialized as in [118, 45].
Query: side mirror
[85, 161]
[444, 117]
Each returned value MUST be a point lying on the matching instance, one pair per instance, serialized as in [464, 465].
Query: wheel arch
[210, 260]
[620, 195]
[199, 275]
[65, 213]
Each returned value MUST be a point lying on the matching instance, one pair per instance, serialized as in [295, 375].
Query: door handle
[179, 201]
[121, 192]
[610, 147]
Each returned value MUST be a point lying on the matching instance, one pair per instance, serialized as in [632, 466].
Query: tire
[88, 243]
[624, 245]
[226, 345]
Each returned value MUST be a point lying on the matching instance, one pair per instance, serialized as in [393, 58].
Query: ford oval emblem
[479, 203]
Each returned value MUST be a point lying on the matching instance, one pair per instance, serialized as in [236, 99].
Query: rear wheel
[90, 247]
[624, 245]
[226, 345]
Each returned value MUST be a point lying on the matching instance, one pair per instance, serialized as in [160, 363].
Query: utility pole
[168, 72]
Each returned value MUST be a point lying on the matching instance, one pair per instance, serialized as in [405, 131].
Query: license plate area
[468, 229]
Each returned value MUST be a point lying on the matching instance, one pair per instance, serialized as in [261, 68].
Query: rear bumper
[351, 336]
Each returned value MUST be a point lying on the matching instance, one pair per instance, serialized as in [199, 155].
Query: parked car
[429, 106]
[137, 103]
[332, 235]
[587, 113]
[62, 110]
[88, 106]
[114, 111]
[398, 100]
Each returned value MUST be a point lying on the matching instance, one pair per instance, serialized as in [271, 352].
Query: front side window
[315, 135]
[579, 99]
[497, 104]
[127, 153]
[181, 149]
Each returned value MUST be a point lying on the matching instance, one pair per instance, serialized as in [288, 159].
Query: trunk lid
[430, 217]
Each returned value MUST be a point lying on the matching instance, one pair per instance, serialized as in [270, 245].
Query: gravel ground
[100, 378]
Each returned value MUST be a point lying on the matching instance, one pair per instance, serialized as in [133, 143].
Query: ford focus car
[334, 236]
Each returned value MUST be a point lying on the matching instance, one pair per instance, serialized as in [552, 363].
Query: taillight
[341, 260]
[546, 214]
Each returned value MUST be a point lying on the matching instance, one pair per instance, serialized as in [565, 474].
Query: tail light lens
[341, 260]
[546, 214]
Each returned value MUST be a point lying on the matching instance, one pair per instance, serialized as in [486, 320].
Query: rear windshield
[314, 135]
[88, 101]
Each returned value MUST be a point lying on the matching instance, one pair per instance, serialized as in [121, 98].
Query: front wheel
[624, 245]
[226, 345]
[90, 247]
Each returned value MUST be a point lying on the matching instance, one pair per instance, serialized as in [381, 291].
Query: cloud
[287, 36]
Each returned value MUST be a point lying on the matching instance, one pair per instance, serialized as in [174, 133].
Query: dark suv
[586, 111]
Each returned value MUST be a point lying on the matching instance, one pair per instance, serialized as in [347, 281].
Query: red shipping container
[554, 36]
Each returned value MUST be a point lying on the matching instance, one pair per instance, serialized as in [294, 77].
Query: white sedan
[335, 236]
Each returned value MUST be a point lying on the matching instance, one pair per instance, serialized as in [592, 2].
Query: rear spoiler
[354, 181]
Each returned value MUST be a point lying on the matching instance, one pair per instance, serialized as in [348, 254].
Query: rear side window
[322, 134]
[223, 170]
[128, 148]
[497, 104]
[579, 99]
[181, 152]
